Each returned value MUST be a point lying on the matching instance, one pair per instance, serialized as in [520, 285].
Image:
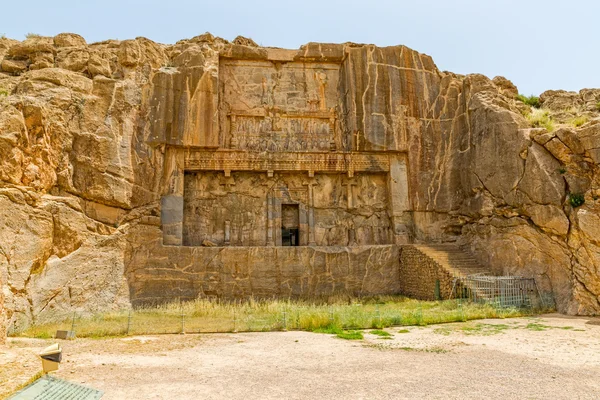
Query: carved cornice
[231, 160]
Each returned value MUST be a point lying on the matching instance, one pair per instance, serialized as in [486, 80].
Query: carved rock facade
[122, 161]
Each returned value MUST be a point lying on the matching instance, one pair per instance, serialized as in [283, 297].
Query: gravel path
[534, 358]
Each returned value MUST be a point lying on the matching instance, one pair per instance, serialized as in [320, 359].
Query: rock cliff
[82, 169]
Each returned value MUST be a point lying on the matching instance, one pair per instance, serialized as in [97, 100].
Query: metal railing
[500, 291]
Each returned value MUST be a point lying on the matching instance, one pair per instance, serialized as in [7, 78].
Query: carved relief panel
[278, 106]
[255, 209]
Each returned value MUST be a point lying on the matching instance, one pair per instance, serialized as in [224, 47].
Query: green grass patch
[532, 100]
[534, 326]
[381, 333]
[333, 330]
[485, 329]
[403, 331]
[351, 335]
[474, 329]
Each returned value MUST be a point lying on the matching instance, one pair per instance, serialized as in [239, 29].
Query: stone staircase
[455, 261]
[445, 271]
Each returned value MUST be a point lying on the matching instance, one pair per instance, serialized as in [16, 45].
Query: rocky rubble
[80, 178]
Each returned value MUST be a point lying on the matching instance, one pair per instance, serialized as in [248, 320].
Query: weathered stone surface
[238, 272]
[13, 66]
[73, 59]
[97, 65]
[560, 100]
[507, 88]
[115, 154]
[549, 218]
[61, 77]
[69, 40]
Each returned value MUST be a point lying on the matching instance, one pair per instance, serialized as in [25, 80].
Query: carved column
[277, 217]
[227, 232]
[311, 213]
[270, 236]
[399, 204]
[171, 204]
[350, 183]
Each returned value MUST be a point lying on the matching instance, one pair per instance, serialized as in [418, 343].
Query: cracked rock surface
[81, 178]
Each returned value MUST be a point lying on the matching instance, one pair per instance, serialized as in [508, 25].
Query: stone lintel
[326, 162]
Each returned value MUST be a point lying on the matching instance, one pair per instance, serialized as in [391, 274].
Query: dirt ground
[552, 356]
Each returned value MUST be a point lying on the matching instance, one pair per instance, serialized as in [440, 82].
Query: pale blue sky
[537, 44]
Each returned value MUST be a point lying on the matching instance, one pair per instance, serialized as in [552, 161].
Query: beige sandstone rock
[73, 59]
[13, 66]
[97, 65]
[69, 40]
[104, 151]
[507, 87]
[129, 53]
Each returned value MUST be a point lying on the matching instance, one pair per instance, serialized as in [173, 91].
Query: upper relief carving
[278, 106]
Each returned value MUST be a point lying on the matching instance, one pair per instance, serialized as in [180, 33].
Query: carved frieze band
[201, 160]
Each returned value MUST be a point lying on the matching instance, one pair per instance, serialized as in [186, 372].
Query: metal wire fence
[205, 316]
[499, 291]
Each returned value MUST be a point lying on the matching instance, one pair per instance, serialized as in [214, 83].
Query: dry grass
[580, 120]
[34, 378]
[540, 118]
[269, 315]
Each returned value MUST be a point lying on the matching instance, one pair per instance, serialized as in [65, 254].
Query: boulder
[69, 40]
[14, 66]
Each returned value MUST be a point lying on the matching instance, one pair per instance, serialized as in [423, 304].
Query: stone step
[453, 259]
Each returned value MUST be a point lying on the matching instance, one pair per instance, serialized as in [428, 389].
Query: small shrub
[562, 170]
[541, 119]
[598, 106]
[576, 199]
[578, 121]
[33, 36]
[3, 92]
[532, 100]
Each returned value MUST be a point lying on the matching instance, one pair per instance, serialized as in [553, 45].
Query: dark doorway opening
[290, 225]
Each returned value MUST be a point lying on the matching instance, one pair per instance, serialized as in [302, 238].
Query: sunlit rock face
[123, 164]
